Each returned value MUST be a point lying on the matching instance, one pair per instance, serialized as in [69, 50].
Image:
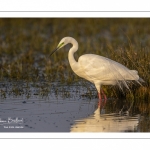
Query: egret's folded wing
[100, 68]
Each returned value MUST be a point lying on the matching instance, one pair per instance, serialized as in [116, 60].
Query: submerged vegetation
[25, 45]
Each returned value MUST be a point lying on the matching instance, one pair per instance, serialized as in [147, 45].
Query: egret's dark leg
[105, 97]
[100, 100]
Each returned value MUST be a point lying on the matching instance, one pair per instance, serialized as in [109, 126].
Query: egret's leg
[98, 87]
[100, 99]
[105, 97]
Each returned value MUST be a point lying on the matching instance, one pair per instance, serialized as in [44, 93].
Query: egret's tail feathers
[135, 75]
[130, 77]
[141, 80]
[125, 83]
[134, 72]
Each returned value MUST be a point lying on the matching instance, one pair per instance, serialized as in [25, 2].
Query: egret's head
[61, 44]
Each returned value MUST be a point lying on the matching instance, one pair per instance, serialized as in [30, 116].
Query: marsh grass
[25, 45]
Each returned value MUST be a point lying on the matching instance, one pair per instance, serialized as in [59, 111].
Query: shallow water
[56, 113]
[43, 115]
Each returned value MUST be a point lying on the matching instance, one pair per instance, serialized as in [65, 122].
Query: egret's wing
[100, 68]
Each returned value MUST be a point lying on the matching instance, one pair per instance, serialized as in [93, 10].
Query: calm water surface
[55, 113]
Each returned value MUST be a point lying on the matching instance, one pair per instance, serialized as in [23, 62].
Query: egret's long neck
[72, 61]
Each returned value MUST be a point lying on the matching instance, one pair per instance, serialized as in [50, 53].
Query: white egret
[98, 69]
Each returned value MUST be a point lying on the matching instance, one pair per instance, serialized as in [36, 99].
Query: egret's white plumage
[98, 69]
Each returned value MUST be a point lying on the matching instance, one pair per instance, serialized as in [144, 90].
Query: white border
[74, 5]
[75, 14]
[50, 135]
[96, 9]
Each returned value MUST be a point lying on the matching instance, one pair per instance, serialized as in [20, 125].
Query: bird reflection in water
[101, 122]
